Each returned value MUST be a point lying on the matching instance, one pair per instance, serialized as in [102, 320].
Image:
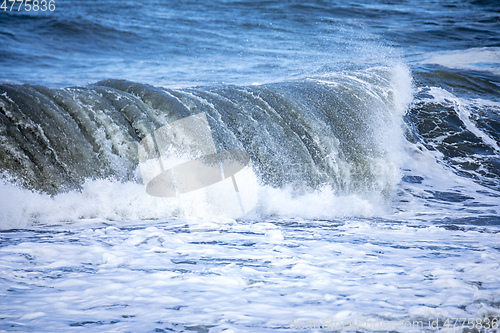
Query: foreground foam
[242, 275]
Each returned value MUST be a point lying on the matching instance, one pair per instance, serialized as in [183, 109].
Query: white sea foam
[418, 200]
[108, 200]
[99, 199]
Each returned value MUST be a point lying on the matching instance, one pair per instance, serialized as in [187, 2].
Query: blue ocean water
[373, 128]
[198, 42]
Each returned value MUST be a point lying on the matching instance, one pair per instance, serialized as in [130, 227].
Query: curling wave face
[337, 129]
[349, 143]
